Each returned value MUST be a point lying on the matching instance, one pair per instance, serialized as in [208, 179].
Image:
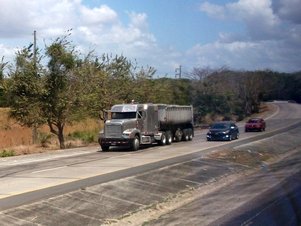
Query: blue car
[224, 130]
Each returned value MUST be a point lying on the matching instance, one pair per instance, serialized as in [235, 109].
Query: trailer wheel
[190, 134]
[185, 135]
[136, 143]
[163, 140]
[168, 137]
[178, 135]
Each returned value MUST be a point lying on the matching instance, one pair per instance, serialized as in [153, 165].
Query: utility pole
[178, 72]
[35, 127]
[34, 51]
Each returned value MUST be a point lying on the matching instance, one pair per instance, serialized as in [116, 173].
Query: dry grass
[243, 157]
[11, 133]
[15, 137]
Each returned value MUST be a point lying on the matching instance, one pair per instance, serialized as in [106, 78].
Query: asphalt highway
[87, 187]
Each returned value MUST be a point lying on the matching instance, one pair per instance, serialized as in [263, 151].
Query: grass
[44, 139]
[13, 135]
[7, 153]
[85, 136]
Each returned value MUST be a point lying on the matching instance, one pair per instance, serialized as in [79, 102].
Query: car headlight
[226, 132]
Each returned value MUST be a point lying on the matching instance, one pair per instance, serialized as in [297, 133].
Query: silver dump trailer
[174, 114]
[133, 125]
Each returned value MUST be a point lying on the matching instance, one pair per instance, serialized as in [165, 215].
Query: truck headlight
[101, 134]
[127, 133]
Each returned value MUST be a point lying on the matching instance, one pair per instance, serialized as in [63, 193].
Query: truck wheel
[136, 143]
[163, 139]
[168, 138]
[178, 135]
[185, 135]
[190, 134]
[105, 147]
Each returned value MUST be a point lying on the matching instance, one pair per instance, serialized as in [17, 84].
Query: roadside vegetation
[48, 100]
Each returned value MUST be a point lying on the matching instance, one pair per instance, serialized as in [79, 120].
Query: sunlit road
[280, 205]
[94, 176]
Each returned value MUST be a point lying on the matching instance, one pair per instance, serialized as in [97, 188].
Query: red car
[255, 124]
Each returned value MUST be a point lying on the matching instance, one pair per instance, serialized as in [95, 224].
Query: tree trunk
[34, 134]
[61, 138]
[59, 132]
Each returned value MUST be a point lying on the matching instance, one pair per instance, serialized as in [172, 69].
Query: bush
[85, 136]
[44, 139]
[7, 153]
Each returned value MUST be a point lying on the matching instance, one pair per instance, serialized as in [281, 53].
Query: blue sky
[238, 34]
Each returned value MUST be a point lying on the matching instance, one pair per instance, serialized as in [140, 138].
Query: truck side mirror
[105, 115]
[141, 114]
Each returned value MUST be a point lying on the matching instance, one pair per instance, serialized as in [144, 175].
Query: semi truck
[133, 125]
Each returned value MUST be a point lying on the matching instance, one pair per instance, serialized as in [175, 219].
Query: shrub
[85, 136]
[7, 153]
[44, 139]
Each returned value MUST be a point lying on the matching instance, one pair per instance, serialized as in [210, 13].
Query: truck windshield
[123, 115]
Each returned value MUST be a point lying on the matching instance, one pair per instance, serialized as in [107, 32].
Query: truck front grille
[113, 131]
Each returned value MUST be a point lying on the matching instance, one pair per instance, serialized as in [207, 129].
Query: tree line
[70, 87]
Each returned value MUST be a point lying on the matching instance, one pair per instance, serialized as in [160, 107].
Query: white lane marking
[40, 171]
[275, 113]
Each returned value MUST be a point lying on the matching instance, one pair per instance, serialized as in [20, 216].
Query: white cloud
[97, 16]
[258, 17]
[213, 10]
[132, 40]
[268, 42]
[7, 52]
[97, 28]
[243, 55]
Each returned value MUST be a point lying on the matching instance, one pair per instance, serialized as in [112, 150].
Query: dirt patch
[244, 157]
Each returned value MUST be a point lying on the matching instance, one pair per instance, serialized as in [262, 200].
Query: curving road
[76, 177]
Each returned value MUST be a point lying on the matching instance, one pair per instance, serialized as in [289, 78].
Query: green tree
[162, 91]
[61, 97]
[25, 89]
[143, 87]
[106, 80]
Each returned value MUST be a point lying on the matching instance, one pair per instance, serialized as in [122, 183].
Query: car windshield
[123, 115]
[220, 126]
[253, 121]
